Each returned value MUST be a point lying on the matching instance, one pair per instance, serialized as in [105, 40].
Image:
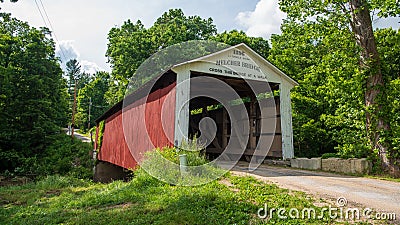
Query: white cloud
[66, 50]
[90, 67]
[263, 21]
[88, 22]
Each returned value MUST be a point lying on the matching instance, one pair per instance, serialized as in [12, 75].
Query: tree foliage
[92, 96]
[76, 75]
[234, 37]
[325, 104]
[131, 44]
[389, 49]
[32, 91]
[330, 48]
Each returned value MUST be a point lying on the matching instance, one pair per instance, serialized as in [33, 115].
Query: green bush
[64, 156]
[9, 159]
[329, 155]
[163, 164]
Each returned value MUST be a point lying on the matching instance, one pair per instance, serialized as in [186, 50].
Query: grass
[382, 177]
[145, 200]
[230, 199]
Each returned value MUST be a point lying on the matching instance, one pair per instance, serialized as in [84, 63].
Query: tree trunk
[370, 64]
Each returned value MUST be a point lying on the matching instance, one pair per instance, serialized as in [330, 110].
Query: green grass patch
[382, 177]
[145, 200]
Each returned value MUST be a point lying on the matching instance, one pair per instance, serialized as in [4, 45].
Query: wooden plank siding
[144, 128]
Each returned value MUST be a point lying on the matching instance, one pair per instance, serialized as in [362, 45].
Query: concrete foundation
[355, 166]
[305, 163]
[277, 162]
[105, 172]
[336, 165]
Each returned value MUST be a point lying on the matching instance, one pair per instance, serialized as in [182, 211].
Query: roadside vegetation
[146, 200]
[63, 156]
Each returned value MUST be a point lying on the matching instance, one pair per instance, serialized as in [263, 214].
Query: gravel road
[380, 195]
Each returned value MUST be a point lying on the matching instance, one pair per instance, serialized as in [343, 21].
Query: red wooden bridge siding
[144, 128]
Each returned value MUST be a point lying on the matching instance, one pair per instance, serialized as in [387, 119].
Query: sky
[81, 27]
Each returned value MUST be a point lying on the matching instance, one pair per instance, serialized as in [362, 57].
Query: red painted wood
[139, 128]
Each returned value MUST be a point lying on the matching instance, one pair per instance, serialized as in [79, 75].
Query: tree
[92, 96]
[353, 16]
[174, 27]
[234, 37]
[370, 64]
[32, 99]
[329, 89]
[73, 69]
[131, 44]
[76, 81]
[74, 73]
[388, 42]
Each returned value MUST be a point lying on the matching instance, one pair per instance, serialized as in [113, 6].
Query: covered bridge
[168, 109]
